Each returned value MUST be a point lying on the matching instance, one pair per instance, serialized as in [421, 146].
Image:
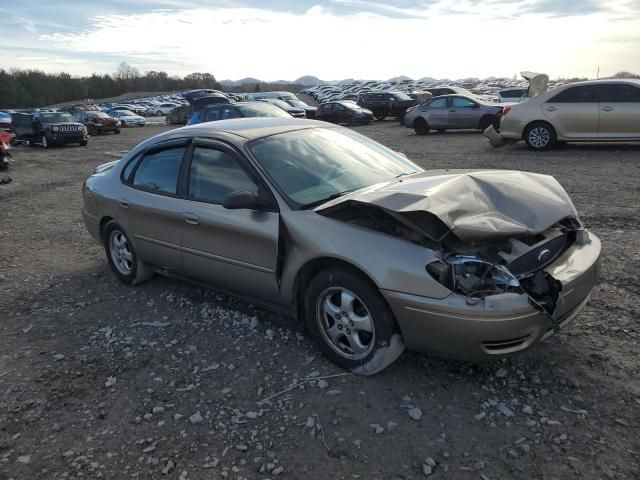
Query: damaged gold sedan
[372, 252]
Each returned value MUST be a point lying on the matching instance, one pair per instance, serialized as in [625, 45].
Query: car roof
[248, 128]
[602, 81]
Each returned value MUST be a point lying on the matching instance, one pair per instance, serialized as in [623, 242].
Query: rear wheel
[421, 127]
[540, 136]
[83, 143]
[159, 113]
[486, 122]
[351, 322]
[380, 116]
[122, 257]
[116, 131]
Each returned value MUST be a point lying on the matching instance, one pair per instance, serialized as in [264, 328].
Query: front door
[574, 112]
[234, 250]
[437, 113]
[619, 111]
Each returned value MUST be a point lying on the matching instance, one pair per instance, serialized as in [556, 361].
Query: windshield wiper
[333, 196]
[405, 174]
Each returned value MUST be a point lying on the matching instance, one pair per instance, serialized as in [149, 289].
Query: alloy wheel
[121, 253]
[345, 323]
[539, 137]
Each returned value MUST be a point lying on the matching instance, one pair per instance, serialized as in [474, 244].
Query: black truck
[48, 128]
[386, 104]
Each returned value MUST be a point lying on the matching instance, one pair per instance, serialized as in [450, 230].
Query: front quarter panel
[391, 263]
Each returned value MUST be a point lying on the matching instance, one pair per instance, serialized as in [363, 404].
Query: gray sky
[336, 39]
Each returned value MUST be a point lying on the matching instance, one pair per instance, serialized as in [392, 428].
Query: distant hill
[308, 81]
[242, 81]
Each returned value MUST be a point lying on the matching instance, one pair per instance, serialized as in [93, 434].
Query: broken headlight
[472, 276]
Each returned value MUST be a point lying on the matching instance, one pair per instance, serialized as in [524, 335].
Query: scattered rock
[25, 459]
[251, 415]
[503, 409]
[196, 418]
[480, 415]
[323, 384]
[111, 381]
[527, 410]
[427, 469]
[501, 373]
[415, 413]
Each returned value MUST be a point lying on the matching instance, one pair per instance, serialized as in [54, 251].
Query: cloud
[333, 39]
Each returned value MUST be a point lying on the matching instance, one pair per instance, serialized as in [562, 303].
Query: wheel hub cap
[121, 253]
[539, 137]
[345, 323]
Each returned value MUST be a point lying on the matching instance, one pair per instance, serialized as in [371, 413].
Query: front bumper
[495, 139]
[63, 138]
[500, 324]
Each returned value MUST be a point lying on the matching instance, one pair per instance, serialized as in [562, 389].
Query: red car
[98, 122]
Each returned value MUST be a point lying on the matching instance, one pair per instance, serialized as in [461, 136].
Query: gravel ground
[168, 380]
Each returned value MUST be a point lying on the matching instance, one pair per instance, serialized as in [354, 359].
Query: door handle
[551, 109]
[124, 203]
[191, 219]
[607, 109]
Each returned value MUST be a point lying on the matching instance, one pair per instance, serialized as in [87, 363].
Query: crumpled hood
[474, 205]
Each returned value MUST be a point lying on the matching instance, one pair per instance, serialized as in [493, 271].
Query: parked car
[5, 121]
[221, 111]
[128, 119]
[600, 110]
[136, 109]
[98, 122]
[512, 95]
[293, 111]
[369, 250]
[452, 112]
[309, 111]
[386, 104]
[161, 109]
[48, 128]
[344, 111]
[179, 115]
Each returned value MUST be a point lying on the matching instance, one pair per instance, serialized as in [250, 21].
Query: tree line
[35, 88]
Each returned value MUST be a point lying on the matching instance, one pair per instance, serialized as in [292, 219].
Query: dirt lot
[165, 380]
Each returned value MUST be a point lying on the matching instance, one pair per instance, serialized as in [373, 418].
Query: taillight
[505, 110]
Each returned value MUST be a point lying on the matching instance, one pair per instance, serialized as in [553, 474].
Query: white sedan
[161, 108]
[128, 119]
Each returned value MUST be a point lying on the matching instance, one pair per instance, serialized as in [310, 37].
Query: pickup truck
[386, 104]
[48, 128]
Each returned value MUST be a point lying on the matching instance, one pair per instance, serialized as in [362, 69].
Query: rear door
[436, 112]
[463, 113]
[151, 210]
[235, 250]
[574, 112]
[619, 111]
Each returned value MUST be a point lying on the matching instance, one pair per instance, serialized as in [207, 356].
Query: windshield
[311, 166]
[401, 96]
[259, 109]
[58, 118]
[297, 103]
[99, 115]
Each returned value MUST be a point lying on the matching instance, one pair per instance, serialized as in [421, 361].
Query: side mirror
[241, 199]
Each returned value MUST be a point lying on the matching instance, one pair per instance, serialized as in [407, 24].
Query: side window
[619, 93]
[438, 103]
[215, 174]
[159, 171]
[211, 115]
[328, 107]
[579, 94]
[229, 112]
[461, 102]
[339, 108]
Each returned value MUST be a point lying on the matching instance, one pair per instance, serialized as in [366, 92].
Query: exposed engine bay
[475, 269]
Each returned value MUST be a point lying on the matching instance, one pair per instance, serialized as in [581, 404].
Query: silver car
[372, 252]
[603, 110]
[452, 112]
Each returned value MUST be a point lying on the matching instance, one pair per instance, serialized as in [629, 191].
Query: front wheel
[158, 113]
[380, 116]
[116, 131]
[83, 143]
[421, 127]
[350, 321]
[540, 136]
[122, 257]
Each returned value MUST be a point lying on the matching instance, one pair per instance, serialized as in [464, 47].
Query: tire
[122, 257]
[158, 113]
[116, 131]
[442, 130]
[540, 136]
[420, 126]
[45, 142]
[380, 116]
[83, 143]
[336, 301]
